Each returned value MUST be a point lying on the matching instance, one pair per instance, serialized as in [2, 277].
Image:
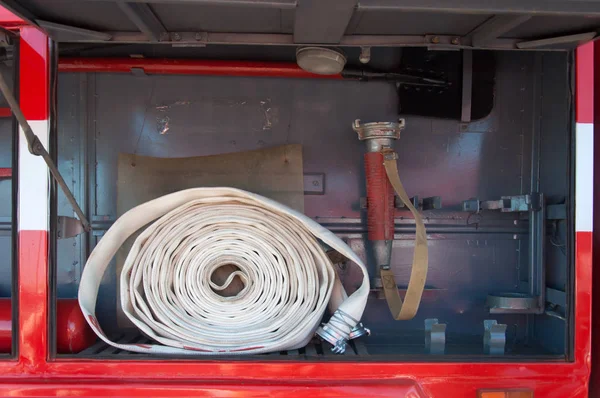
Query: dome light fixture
[320, 60]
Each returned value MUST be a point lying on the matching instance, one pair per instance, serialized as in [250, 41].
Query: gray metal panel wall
[209, 115]
[72, 156]
[6, 134]
[88, 15]
[555, 125]
[216, 18]
[6, 158]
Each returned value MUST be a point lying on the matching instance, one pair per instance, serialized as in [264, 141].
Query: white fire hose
[166, 287]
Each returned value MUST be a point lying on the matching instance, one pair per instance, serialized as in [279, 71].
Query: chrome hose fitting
[358, 331]
[341, 328]
[334, 338]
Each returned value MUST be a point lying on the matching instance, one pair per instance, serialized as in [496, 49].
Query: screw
[365, 55]
[315, 183]
[435, 40]
[176, 36]
[455, 41]
[198, 36]
[363, 203]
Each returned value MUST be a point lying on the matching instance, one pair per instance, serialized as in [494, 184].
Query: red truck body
[34, 373]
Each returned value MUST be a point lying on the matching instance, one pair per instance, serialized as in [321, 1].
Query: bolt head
[435, 40]
[363, 203]
[365, 55]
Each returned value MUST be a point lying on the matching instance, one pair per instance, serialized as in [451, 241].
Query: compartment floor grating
[314, 349]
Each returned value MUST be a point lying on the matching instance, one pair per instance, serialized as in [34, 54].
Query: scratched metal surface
[101, 115]
[5, 208]
[6, 138]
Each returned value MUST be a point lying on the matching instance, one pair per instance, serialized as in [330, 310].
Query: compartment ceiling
[499, 24]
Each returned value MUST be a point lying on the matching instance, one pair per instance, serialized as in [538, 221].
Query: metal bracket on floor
[435, 337]
[494, 337]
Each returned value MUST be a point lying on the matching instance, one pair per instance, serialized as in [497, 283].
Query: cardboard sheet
[275, 173]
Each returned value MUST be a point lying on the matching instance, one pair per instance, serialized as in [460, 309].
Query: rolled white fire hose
[166, 287]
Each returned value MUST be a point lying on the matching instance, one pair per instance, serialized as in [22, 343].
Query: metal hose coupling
[337, 340]
[341, 328]
[358, 331]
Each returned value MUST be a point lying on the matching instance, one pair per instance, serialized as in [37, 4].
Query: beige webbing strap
[420, 263]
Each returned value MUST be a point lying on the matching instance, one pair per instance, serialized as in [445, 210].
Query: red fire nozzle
[380, 193]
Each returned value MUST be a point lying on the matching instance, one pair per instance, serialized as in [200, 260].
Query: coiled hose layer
[166, 285]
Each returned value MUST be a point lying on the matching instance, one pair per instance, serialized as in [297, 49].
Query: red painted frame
[33, 374]
[8, 20]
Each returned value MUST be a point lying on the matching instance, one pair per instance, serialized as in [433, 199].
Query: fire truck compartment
[518, 154]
